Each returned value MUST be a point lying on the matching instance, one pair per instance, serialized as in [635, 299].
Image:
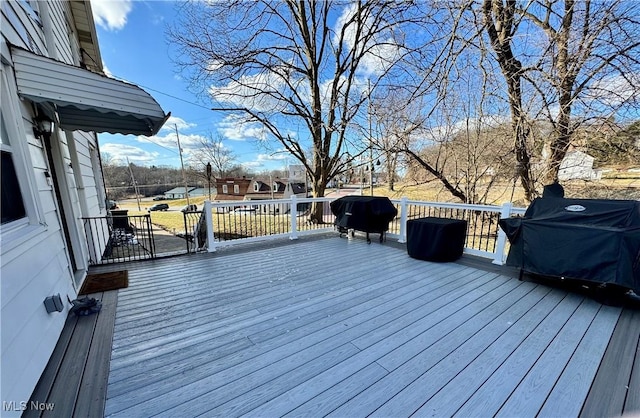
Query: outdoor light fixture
[43, 127]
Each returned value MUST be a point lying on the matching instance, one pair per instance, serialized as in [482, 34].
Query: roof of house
[179, 190]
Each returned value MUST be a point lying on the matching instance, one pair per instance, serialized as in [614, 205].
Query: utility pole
[135, 184]
[209, 178]
[184, 176]
[370, 143]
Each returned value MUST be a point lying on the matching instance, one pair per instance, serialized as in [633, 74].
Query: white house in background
[54, 99]
[178, 192]
[578, 165]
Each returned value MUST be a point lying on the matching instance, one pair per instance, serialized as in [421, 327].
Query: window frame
[20, 230]
[225, 189]
[236, 189]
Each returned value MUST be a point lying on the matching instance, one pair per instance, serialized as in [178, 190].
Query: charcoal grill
[362, 213]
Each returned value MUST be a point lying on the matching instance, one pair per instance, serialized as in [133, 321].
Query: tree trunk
[316, 214]
[499, 19]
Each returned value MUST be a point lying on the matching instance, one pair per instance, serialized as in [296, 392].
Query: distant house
[200, 191]
[297, 173]
[231, 188]
[265, 188]
[178, 193]
[578, 165]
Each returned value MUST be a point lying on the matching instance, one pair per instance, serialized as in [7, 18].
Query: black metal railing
[118, 238]
[195, 230]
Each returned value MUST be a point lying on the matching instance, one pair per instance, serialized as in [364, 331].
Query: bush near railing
[242, 221]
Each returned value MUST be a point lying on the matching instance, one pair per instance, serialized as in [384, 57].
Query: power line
[175, 97]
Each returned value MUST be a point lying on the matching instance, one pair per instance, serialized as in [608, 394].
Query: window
[12, 201]
[256, 187]
[275, 187]
[225, 189]
[236, 189]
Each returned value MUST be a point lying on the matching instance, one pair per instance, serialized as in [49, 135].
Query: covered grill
[362, 213]
[593, 240]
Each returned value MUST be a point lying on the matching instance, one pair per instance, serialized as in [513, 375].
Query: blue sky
[134, 48]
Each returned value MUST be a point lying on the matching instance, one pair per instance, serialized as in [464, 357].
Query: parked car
[189, 208]
[159, 206]
[159, 198]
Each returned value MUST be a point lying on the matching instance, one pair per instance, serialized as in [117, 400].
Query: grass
[252, 224]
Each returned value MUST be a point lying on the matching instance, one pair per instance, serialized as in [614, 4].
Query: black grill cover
[362, 213]
[595, 240]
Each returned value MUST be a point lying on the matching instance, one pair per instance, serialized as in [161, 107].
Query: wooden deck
[341, 328]
[75, 380]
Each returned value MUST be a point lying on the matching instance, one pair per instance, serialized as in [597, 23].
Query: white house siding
[34, 262]
[578, 165]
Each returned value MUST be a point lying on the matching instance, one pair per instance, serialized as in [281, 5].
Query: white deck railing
[236, 222]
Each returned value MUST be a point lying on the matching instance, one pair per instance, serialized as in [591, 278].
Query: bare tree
[501, 24]
[212, 150]
[298, 70]
[582, 63]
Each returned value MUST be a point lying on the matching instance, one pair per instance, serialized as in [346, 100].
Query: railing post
[403, 220]
[294, 218]
[208, 216]
[498, 256]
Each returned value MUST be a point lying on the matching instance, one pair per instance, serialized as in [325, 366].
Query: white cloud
[382, 49]
[111, 14]
[273, 157]
[616, 90]
[120, 153]
[252, 164]
[188, 142]
[174, 121]
[255, 92]
[236, 128]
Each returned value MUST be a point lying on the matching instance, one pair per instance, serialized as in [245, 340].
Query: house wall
[578, 166]
[244, 187]
[34, 257]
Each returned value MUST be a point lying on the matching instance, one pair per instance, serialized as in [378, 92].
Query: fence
[119, 238]
[248, 221]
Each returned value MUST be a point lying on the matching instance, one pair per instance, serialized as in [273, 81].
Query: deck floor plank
[325, 334]
[93, 387]
[573, 386]
[533, 390]
[632, 403]
[72, 368]
[614, 373]
[488, 399]
[452, 393]
[48, 377]
[338, 327]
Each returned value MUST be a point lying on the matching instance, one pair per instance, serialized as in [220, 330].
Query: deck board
[573, 386]
[338, 327]
[615, 371]
[93, 387]
[75, 379]
[632, 403]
